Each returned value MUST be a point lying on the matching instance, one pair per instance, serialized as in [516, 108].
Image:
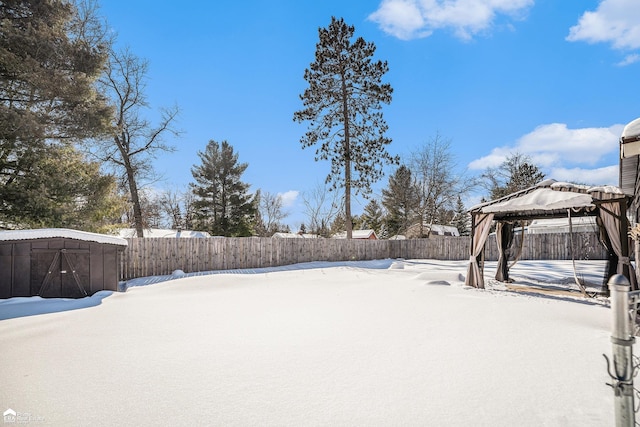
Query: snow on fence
[161, 256]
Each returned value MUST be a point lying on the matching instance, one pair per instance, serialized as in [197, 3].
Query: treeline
[76, 147]
[427, 190]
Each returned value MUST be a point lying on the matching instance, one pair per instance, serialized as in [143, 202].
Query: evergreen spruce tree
[65, 190]
[372, 217]
[337, 226]
[461, 218]
[222, 204]
[401, 199]
[48, 102]
[343, 105]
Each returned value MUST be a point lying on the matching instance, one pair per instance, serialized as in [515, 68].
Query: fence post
[622, 343]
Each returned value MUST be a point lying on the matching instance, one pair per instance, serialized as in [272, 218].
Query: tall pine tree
[343, 105]
[222, 204]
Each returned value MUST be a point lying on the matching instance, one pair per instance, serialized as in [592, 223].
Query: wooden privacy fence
[162, 256]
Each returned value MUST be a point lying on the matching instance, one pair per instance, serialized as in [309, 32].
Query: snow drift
[404, 343]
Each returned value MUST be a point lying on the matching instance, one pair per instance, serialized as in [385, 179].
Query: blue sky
[555, 80]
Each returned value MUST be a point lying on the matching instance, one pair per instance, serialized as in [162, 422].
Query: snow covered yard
[372, 343]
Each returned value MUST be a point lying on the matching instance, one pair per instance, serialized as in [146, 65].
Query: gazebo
[552, 199]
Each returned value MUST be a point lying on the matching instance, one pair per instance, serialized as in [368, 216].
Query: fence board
[160, 256]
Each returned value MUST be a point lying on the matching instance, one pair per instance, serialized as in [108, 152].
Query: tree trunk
[135, 201]
[133, 186]
[347, 161]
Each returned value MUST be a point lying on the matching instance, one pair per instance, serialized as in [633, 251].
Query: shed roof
[49, 233]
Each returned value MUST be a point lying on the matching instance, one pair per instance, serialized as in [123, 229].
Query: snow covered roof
[356, 234]
[48, 233]
[398, 237]
[629, 146]
[162, 232]
[561, 225]
[549, 197]
[418, 230]
[443, 230]
[282, 235]
[631, 131]
[542, 199]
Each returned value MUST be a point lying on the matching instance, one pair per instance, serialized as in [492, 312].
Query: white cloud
[629, 59]
[614, 21]
[555, 147]
[608, 175]
[289, 198]
[408, 19]
[401, 18]
[555, 142]
[493, 160]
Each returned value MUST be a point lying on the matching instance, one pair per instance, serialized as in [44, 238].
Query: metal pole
[636, 255]
[622, 341]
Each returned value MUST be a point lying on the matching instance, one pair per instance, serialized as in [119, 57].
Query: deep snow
[373, 343]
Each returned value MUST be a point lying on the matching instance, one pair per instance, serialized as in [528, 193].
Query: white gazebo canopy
[551, 199]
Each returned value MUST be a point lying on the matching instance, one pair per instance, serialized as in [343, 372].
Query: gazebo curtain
[613, 216]
[480, 226]
[504, 237]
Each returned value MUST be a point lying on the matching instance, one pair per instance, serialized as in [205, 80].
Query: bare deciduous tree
[171, 203]
[434, 168]
[134, 140]
[321, 208]
[516, 173]
[271, 211]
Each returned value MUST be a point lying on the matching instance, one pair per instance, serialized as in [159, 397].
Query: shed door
[60, 273]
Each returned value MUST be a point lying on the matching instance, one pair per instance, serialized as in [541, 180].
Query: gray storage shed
[58, 263]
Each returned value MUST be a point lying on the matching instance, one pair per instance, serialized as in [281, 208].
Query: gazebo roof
[551, 199]
[548, 199]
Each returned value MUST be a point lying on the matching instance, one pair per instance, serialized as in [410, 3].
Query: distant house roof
[444, 230]
[48, 233]
[295, 236]
[357, 234]
[414, 231]
[561, 225]
[163, 232]
[398, 237]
